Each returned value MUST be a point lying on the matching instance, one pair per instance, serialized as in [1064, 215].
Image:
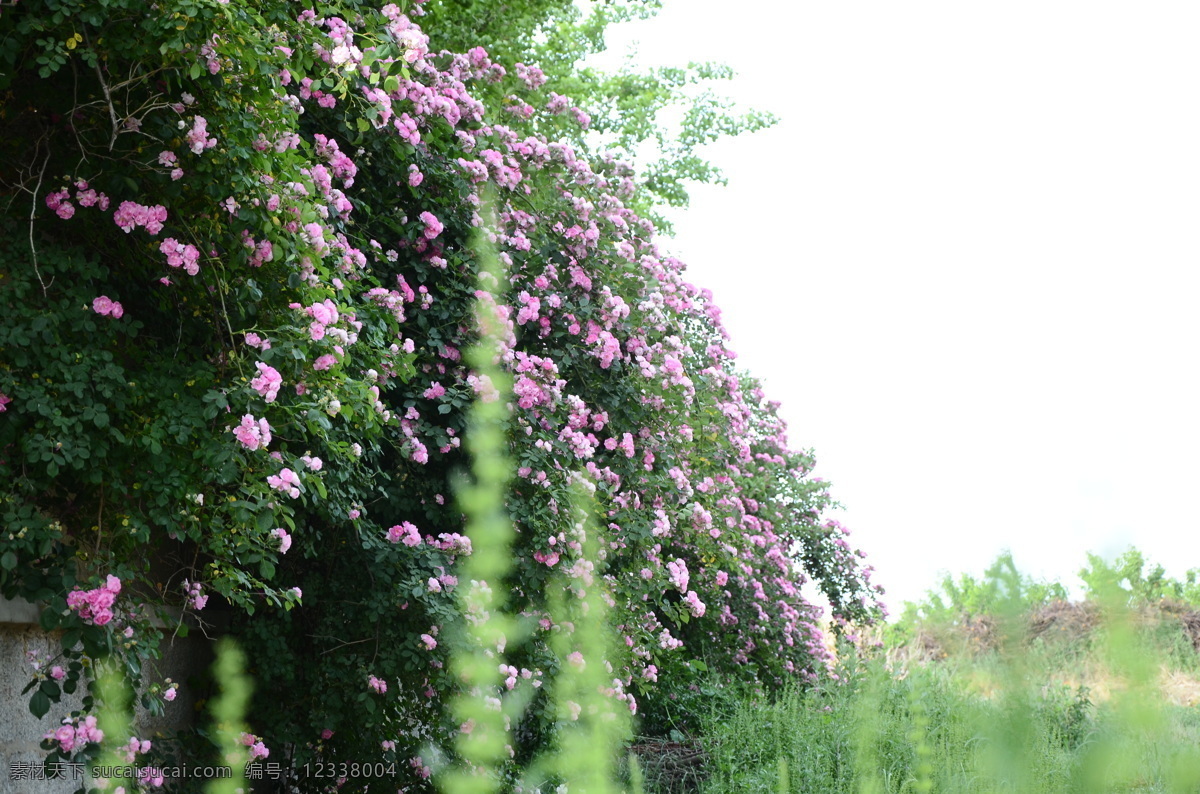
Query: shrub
[238, 284]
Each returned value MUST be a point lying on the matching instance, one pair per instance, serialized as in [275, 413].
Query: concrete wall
[21, 733]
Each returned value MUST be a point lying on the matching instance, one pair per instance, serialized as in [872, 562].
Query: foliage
[630, 113]
[1141, 581]
[1002, 723]
[1002, 587]
[237, 283]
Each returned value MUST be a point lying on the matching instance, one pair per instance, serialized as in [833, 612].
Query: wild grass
[983, 706]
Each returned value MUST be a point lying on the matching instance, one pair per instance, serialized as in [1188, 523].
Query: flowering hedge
[236, 278]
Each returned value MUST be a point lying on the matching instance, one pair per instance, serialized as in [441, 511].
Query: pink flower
[430, 642]
[287, 481]
[694, 604]
[324, 362]
[678, 574]
[253, 433]
[406, 533]
[170, 693]
[285, 540]
[378, 684]
[198, 138]
[95, 606]
[434, 391]
[104, 305]
[268, 381]
[254, 340]
[316, 235]
[193, 591]
[326, 734]
[4, 401]
[65, 736]
[257, 748]
[151, 776]
[433, 227]
[130, 215]
[57, 673]
[415, 177]
[180, 255]
[325, 313]
[54, 200]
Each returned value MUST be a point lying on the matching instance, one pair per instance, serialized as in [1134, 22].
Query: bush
[239, 282]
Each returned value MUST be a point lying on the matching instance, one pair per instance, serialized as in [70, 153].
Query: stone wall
[21, 733]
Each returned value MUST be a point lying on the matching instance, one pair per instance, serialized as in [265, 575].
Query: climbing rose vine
[237, 281]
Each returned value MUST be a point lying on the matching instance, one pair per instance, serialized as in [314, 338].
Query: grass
[1103, 707]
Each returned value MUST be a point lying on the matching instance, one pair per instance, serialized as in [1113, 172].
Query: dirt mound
[671, 767]
[1063, 620]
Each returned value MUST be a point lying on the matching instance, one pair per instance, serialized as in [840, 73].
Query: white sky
[966, 263]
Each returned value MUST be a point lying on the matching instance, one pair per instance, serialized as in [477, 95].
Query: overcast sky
[966, 263]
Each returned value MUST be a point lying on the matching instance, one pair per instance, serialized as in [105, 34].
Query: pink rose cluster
[134, 747]
[198, 138]
[107, 307]
[193, 591]
[75, 733]
[406, 533]
[285, 540]
[181, 255]
[287, 481]
[433, 227]
[95, 606]
[131, 215]
[255, 743]
[377, 684]
[253, 433]
[267, 382]
[87, 197]
[169, 160]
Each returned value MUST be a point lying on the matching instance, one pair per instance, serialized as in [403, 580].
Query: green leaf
[39, 704]
[51, 689]
[70, 638]
[8, 561]
[50, 619]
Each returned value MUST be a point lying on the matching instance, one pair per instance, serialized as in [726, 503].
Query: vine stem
[33, 214]
[112, 111]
